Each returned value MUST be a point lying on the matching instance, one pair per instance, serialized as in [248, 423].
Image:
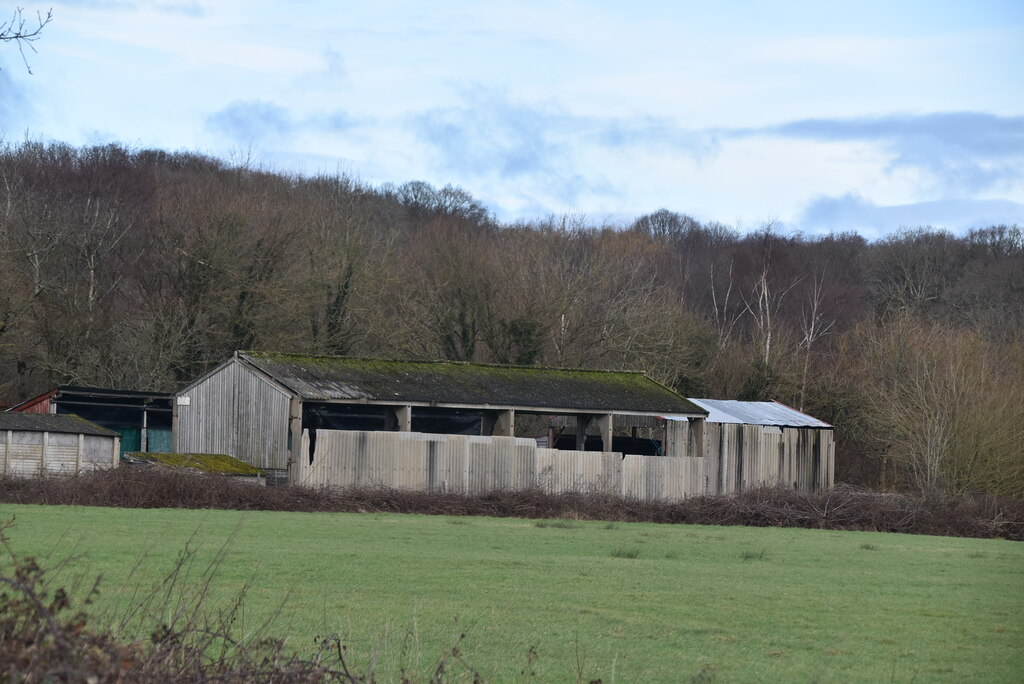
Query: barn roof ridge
[351, 378]
[447, 362]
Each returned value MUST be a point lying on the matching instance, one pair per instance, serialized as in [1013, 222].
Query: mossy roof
[48, 422]
[338, 378]
[210, 463]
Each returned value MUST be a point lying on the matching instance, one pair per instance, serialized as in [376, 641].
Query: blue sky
[823, 116]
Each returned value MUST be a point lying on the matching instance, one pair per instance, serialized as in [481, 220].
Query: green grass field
[625, 602]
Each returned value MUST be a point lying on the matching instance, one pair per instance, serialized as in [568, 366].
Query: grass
[556, 602]
[560, 524]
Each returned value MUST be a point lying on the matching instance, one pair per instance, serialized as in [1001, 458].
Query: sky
[822, 117]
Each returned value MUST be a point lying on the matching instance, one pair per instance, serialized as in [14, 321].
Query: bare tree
[725, 316]
[945, 405]
[814, 326]
[766, 298]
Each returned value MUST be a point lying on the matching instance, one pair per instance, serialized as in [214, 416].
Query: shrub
[840, 508]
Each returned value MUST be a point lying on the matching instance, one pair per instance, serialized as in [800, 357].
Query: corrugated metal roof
[756, 413]
[110, 392]
[334, 378]
[46, 422]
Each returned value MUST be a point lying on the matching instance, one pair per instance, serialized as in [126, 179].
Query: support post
[144, 437]
[294, 433]
[582, 425]
[398, 419]
[505, 424]
[605, 425]
[174, 425]
[697, 438]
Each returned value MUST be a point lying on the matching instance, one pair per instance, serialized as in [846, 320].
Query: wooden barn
[257, 405]
[756, 443]
[142, 419]
[33, 444]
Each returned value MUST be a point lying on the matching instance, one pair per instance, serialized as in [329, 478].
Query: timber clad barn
[461, 427]
[256, 405]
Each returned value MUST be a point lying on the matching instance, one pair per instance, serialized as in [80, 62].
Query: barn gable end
[235, 409]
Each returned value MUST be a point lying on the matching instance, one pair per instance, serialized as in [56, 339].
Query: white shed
[33, 444]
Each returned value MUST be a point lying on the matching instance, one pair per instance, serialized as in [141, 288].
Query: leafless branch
[18, 30]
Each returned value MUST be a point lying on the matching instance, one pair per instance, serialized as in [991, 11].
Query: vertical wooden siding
[236, 412]
[262, 431]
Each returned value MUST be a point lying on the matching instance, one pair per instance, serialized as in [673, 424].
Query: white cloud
[852, 212]
[737, 114]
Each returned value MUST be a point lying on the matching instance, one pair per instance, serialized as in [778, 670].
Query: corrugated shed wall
[745, 456]
[742, 456]
[417, 461]
[476, 465]
[657, 478]
[579, 471]
[30, 454]
[234, 411]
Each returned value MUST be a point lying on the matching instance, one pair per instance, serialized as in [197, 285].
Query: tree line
[141, 269]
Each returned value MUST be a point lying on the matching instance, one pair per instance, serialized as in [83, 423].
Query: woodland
[141, 269]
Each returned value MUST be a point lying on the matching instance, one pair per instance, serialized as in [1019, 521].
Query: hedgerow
[839, 508]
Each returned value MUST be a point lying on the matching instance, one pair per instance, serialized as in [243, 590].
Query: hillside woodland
[141, 269]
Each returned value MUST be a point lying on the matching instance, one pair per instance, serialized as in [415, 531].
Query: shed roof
[100, 395]
[111, 392]
[47, 422]
[34, 401]
[756, 413]
[336, 378]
